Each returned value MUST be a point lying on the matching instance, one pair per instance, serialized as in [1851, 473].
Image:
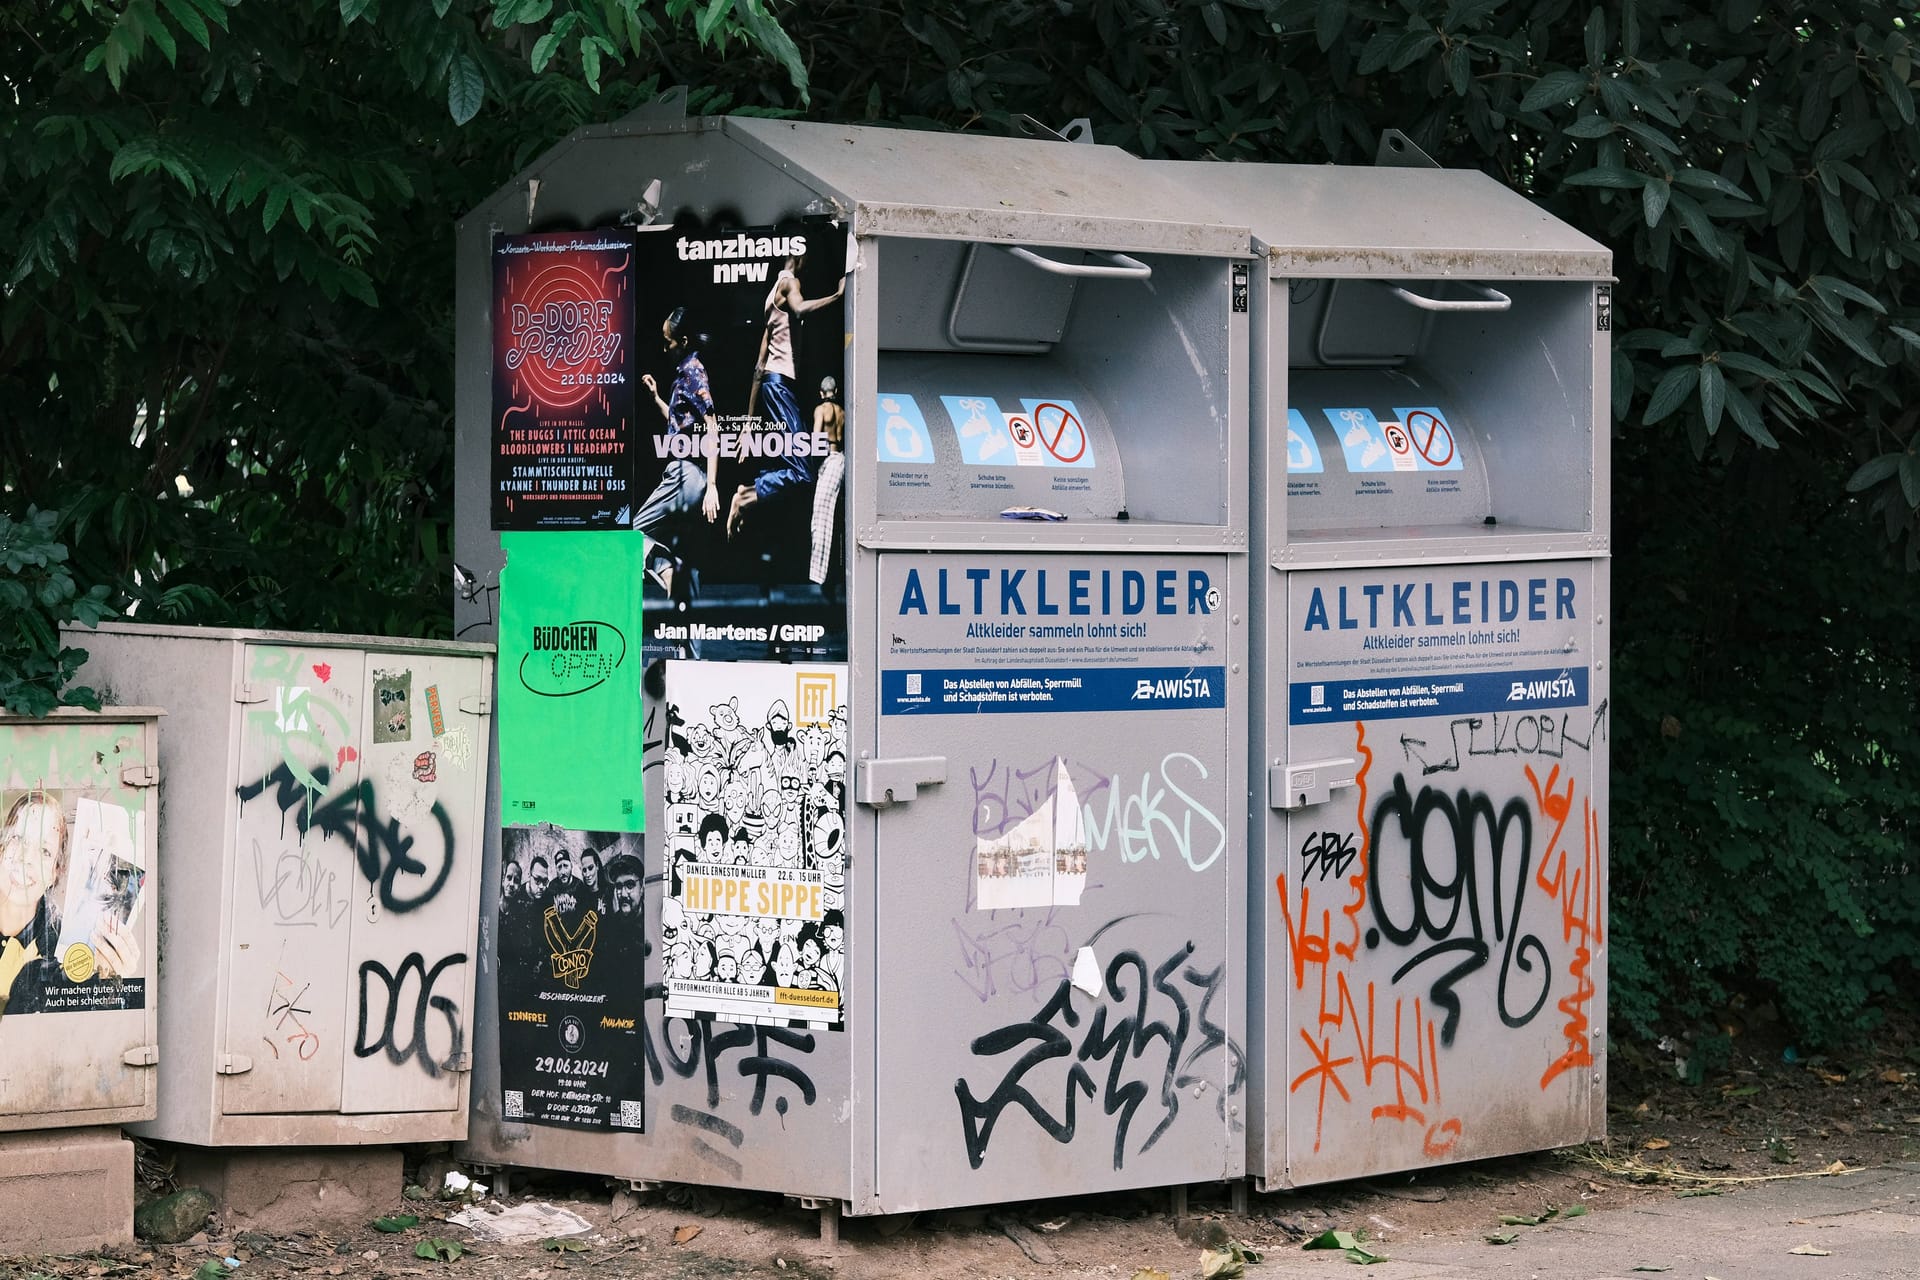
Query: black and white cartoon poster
[753, 923]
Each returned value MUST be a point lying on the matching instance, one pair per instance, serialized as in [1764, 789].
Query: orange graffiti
[1338, 1012]
[1576, 892]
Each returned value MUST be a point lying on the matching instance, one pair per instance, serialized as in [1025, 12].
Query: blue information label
[1399, 697]
[1028, 690]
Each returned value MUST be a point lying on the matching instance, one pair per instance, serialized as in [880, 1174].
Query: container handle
[1493, 299]
[1127, 268]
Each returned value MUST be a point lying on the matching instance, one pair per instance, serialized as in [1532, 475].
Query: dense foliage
[225, 337]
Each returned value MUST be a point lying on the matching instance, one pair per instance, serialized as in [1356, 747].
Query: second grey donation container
[1427, 903]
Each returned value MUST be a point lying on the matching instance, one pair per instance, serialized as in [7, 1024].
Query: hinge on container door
[462, 1061]
[1300, 786]
[232, 1064]
[477, 704]
[880, 783]
[141, 1055]
[246, 694]
[140, 775]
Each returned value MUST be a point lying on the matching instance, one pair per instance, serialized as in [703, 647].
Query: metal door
[408, 974]
[1053, 935]
[76, 852]
[1440, 882]
[293, 879]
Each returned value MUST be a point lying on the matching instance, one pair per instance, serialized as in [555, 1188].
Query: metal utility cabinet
[322, 837]
[1043, 880]
[79, 883]
[1429, 717]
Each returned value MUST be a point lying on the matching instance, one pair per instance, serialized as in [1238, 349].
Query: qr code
[516, 1104]
[913, 682]
[630, 1114]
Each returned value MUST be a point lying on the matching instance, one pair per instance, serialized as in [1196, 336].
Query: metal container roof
[1349, 220]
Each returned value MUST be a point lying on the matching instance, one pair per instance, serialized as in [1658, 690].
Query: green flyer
[570, 714]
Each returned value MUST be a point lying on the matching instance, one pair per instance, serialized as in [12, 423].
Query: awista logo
[1561, 686]
[1145, 690]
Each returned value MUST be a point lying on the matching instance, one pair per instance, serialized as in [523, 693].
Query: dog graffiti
[381, 848]
[393, 990]
[1456, 911]
[1501, 733]
[1150, 1049]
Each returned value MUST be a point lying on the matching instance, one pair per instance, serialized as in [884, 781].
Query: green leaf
[211, 1269]
[1910, 479]
[190, 21]
[351, 10]
[1653, 200]
[1828, 284]
[543, 49]
[1591, 125]
[1329, 21]
[1707, 181]
[1555, 88]
[564, 1244]
[465, 88]
[1331, 1239]
[1596, 37]
[1713, 395]
[1502, 1237]
[396, 1222]
[439, 1249]
[590, 61]
[1671, 392]
[1574, 1211]
[707, 24]
[1608, 176]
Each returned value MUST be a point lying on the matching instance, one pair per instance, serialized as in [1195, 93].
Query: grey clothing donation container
[1427, 898]
[321, 837]
[938, 447]
[79, 881]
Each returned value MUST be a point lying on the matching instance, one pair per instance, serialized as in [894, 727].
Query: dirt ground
[1762, 1112]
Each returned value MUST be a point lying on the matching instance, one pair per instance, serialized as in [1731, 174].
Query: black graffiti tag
[1327, 853]
[393, 985]
[1120, 1034]
[383, 850]
[1449, 909]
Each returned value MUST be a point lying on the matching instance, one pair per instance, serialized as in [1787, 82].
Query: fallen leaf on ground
[1655, 1144]
[1652, 1268]
[1893, 1075]
[1502, 1237]
[396, 1222]
[1151, 1273]
[1574, 1211]
[559, 1245]
[683, 1234]
[1808, 1251]
[1838, 1166]
[438, 1249]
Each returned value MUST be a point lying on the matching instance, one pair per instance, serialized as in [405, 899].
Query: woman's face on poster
[30, 852]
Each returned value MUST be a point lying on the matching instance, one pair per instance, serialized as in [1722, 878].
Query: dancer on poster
[824, 567]
[683, 488]
[790, 477]
[753, 928]
[571, 940]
